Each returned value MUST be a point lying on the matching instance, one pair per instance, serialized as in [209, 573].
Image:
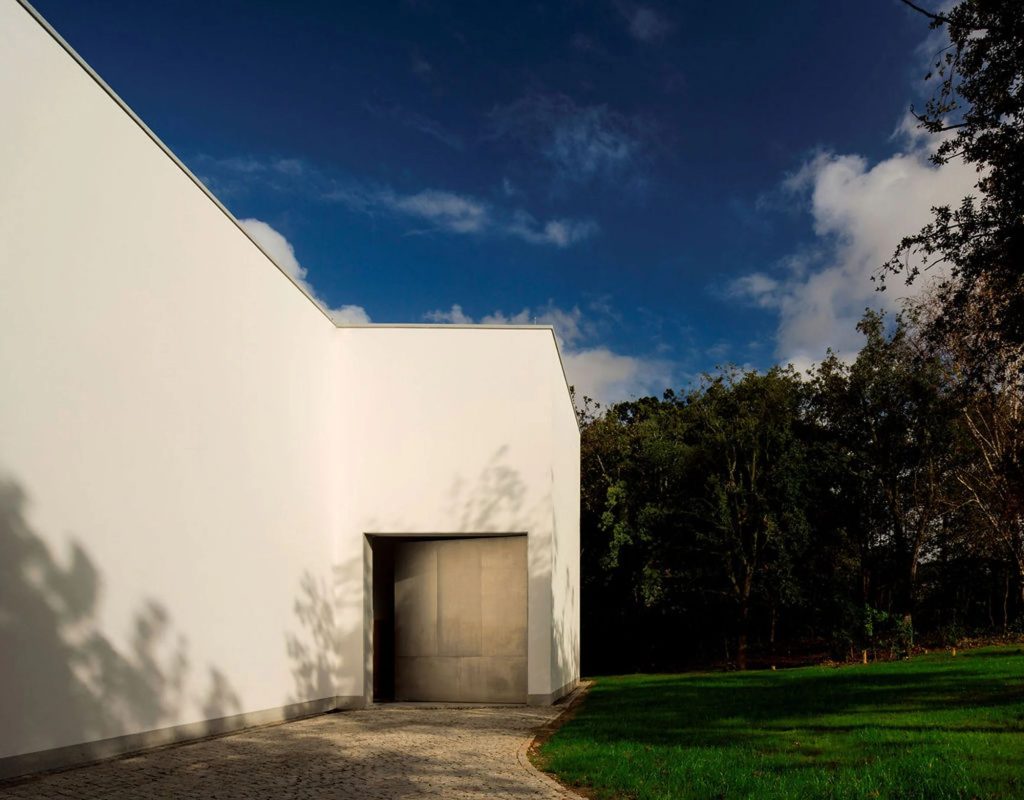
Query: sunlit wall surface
[192, 453]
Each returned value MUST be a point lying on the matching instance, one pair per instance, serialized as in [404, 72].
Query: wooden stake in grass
[864, 656]
[954, 652]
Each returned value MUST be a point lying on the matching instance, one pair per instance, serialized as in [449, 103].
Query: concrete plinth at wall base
[77, 755]
[551, 697]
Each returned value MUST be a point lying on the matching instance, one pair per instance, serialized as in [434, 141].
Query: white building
[219, 508]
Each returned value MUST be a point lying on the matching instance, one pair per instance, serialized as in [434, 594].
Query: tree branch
[932, 16]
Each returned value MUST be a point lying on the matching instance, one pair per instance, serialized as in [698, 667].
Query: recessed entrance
[449, 619]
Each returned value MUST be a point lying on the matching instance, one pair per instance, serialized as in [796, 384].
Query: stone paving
[380, 753]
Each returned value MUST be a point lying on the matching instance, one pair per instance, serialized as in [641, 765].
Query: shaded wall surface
[184, 494]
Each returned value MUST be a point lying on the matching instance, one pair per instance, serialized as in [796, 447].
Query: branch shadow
[317, 647]
[64, 681]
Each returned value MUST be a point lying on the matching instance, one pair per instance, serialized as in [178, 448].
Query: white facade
[192, 453]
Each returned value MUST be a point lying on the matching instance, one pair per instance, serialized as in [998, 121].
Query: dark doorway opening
[383, 555]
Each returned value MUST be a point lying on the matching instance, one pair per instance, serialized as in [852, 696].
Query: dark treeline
[862, 506]
[772, 516]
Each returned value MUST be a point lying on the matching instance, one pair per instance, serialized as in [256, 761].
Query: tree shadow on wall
[64, 682]
[317, 650]
[495, 501]
[498, 501]
[315, 654]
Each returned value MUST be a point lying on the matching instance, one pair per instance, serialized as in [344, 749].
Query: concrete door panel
[427, 678]
[503, 628]
[495, 679]
[460, 620]
[458, 598]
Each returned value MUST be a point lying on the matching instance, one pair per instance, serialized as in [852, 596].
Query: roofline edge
[62, 42]
[486, 327]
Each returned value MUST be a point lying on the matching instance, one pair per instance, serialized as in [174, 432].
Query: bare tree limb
[931, 15]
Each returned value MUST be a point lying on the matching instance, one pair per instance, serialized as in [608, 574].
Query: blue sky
[674, 186]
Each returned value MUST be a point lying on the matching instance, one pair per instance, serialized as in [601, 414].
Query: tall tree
[749, 513]
[978, 111]
[992, 472]
[633, 459]
[891, 415]
[989, 453]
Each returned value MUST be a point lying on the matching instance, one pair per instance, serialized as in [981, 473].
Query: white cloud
[441, 210]
[464, 214]
[236, 175]
[860, 211]
[454, 316]
[645, 24]
[558, 232]
[595, 370]
[569, 324]
[280, 250]
[421, 68]
[719, 350]
[445, 209]
[349, 315]
[758, 288]
[418, 122]
[581, 143]
[609, 377]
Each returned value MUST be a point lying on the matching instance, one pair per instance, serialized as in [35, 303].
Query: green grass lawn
[933, 727]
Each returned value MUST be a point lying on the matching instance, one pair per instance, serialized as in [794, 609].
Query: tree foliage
[978, 111]
[867, 502]
[778, 514]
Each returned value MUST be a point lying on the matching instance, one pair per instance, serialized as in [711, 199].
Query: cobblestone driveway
[383, 752]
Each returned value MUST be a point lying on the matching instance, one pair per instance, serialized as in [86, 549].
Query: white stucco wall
[167, 406]
[565, 509]
[191, 452]
[454, 430]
